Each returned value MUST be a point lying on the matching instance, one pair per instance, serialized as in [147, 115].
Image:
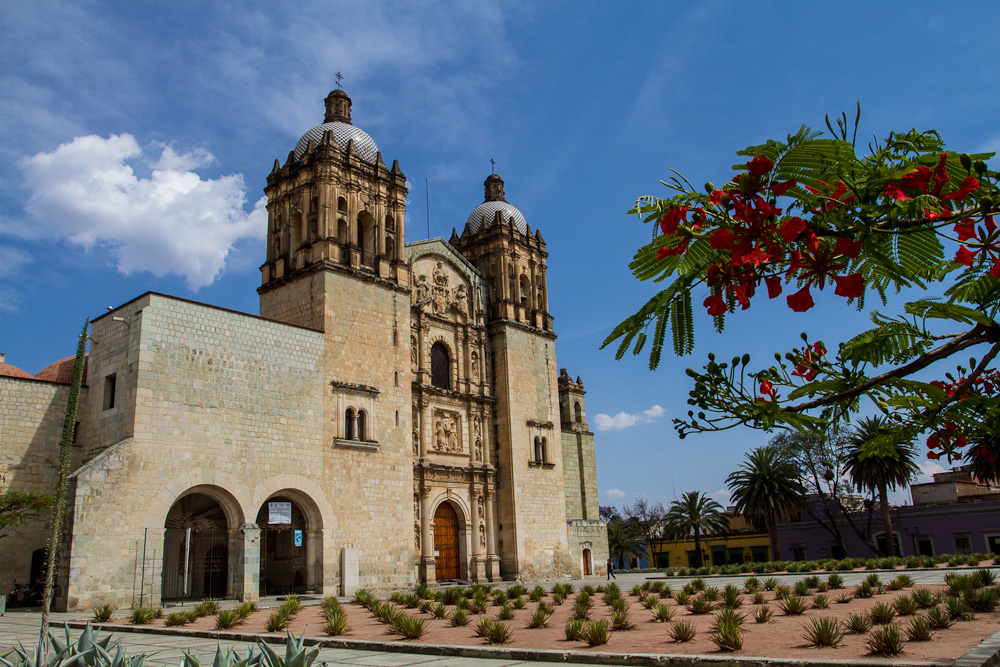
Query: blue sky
[137, 137]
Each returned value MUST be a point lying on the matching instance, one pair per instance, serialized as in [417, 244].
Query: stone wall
[31, 422]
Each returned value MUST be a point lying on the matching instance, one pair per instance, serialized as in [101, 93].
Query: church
[394, 415]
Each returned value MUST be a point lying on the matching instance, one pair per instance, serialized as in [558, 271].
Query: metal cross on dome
[492, 165]
[339, 79]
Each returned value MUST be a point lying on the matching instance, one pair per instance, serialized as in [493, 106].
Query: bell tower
[332, 206]
[531, 499]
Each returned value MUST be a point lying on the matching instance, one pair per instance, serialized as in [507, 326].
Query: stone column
[426, 429]
[314, 560]
[478, 570]
[493, 563]
[246, 542]
[426, 547]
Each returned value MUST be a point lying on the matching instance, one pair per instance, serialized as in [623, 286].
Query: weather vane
[339, 79]
[492, 165]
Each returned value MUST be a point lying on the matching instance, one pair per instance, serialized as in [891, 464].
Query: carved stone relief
[482, 536]
[447, 437]
[474, 364]
[413, 350]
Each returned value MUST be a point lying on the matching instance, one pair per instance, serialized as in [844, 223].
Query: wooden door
[446, 542]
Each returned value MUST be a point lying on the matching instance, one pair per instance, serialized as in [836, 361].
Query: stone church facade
[393, 416]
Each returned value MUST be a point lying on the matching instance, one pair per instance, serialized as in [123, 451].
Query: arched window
[362, 426]
[525, 291]
[342, 231]
[342, 205]
[349, 424]
[390, 248]
[296, 230]
[440, 366]
[538, 450]
[577, 412]
[545, 451]
[390, 224]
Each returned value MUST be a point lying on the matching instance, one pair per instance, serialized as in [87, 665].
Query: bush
[226, 619]
[409, 627]
[459, 618]
[177, 619]
[506, 612]
[666, 592]
[882, 614]
[758, 598]
[539, 618]
[939, 619]
[574, 629]
[498, 633]
[482, 627]
[957, 609]
[536, 594]
[517, 590]
[751, 585]
[793, 606]
[904, 581]
[923, 598]
[206, 607]
[336, 623]
[919, 629]
[728, 616]
[499, 598]
[835, 581]
[864, 591]
[662, 613]
[820, 601]
[104, 612]
[905, 605]
[874, 582]
[620, 620]
[364, 597]
[824, 631]
[762, 614]
[384, 612]
[812, 581]
[143, 615]
[728, 637]
[518, 602]
[886, 640]
[731, 597]
[277, 621]
[985, 577]
[597, 633]
[683, 598]
[982, 600]
[844, 598]
[426, 606]
[858, 624]
[700, 605]
[247, 608]
[439, 610]
[711, 594]
[682, 631]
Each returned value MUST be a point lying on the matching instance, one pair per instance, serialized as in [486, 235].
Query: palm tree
[695, 513]
[874, 464]
[764, 485]
[624, 542]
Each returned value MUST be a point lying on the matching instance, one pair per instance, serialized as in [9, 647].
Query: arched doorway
[588, 563]
[196, 549]
[446, 537]
[283, 547]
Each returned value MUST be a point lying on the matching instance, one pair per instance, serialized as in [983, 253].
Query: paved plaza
[21, 626]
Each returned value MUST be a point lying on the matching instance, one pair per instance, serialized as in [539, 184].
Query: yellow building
[743, 543]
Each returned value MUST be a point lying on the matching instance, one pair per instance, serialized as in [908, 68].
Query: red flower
[773, 286]
[801, 301]
[808, 368]
[893, 190]
[715, 304]
[767, 389]
[851, 286]
[967, 186]
[672, 218]
[847, 248]
[791, 229]
[759, 166]
[780, 189]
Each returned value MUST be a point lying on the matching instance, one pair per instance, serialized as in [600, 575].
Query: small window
[538, 450]
[349, 424]
[525, 290]
[440, 366]
[362, 426]
[798, 553]
[110, 384]
[963, 544]
[577, 412]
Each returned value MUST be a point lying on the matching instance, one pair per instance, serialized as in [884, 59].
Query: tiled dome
[489, 209]
[61, 371]
[342, 134]
[13, 371]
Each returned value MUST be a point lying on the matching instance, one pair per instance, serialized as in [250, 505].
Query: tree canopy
[819, 210]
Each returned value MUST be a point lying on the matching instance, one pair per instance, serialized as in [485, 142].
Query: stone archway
[197, 559]
[291, 544]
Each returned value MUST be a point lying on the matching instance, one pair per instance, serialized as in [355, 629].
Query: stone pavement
[21, 626]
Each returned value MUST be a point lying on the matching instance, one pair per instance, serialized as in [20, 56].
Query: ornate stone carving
[439, 296]
[475, 366]
[482, 506]
[251, 532]
[482, 536]
[461, 297]
[413, 350]
[446, 432]
[416, 441]
[416, 506]
[479, 450]
[416, 537]
[423, 288]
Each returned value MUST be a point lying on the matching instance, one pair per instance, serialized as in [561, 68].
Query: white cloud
[723, 497]
[928, 469]
[11, 260]
[624, 420]
[174, 221]
[614, 493]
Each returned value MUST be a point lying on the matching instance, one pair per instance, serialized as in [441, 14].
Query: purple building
[954, 514]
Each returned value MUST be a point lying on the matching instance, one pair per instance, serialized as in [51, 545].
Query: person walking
[611, 570]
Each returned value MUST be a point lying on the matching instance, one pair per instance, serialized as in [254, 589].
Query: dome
[342, 134]
[488, 209]
[61, 371]
[12, 371]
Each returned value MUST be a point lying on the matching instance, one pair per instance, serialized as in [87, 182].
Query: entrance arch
[196, 554]
[446, 543]
[588, 563]
[291, 544]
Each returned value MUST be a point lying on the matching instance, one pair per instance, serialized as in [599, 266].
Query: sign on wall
[298, 537]
[279, 513]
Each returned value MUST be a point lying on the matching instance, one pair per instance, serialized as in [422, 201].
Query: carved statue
[475, 367]
[422, 287]
[416, 536]
[479, 449]
[413, 350]
[441, 439]
[416, 441]
[416, 505]
[460, 297]
[482, 536]
[440, 277]
[452, 437]
[479, 501]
